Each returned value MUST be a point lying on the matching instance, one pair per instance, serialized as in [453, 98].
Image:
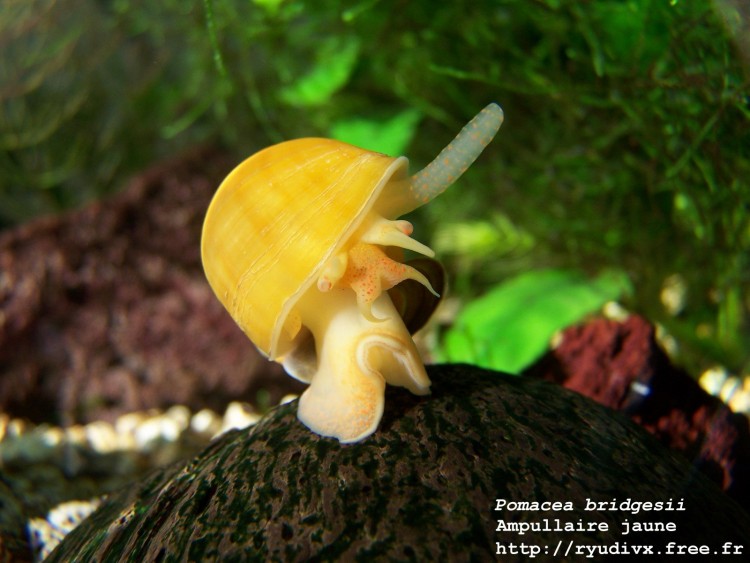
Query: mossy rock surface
[424, 487]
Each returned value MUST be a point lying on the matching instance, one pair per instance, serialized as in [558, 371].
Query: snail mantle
[303, 245]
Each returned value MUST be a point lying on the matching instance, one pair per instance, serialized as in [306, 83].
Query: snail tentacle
[460, 153]
[395, 233]
[333, 271]
[370, 272]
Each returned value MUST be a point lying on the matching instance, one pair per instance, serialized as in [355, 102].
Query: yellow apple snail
[302, 245]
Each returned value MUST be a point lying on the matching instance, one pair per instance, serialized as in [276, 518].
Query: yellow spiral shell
[277, 219]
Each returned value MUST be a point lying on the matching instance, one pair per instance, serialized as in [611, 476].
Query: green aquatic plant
[513, 324]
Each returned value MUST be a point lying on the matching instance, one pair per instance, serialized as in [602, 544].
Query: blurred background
[621, 173]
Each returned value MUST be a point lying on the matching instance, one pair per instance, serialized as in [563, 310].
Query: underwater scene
[374, 280]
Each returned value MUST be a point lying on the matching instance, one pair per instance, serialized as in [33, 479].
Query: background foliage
[625, 147]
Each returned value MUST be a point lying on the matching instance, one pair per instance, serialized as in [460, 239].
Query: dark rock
[14, 545]
[106, 310]
[423, 487]
[621, 365]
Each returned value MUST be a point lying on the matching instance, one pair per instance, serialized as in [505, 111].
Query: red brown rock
[621, 365]
[106, 310]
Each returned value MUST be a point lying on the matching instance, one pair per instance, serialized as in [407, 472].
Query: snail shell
[278, 218]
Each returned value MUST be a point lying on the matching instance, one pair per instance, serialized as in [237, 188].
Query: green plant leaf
[271, 6]
[511, 326]
[482, 238]
[334, 63]
[390, 135]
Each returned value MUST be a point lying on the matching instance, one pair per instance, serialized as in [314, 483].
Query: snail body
[302, 245]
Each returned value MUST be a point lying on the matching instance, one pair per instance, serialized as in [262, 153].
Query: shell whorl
[454, 159]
